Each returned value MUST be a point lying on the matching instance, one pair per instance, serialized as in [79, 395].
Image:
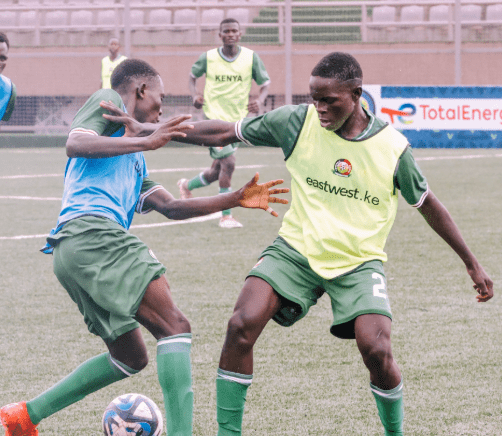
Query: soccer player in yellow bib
[110, 62]
[229, 71]
[346, 167]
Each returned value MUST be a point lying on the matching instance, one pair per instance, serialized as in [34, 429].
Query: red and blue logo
[402, 114]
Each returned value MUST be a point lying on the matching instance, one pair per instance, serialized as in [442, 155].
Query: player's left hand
[133, 128]
[258, 196]
[482, 283]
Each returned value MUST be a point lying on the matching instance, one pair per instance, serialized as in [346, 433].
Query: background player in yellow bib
[346, 167]
[110, 62]
[229, 72]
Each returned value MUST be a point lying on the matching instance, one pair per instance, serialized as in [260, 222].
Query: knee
[240, 331]
[228, 165]
[377, 354]
[136, 361]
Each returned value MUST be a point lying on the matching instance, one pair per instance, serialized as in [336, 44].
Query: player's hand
[253, 106]
[175, 127]
[482, 283]
[198, 101]
[133, 127]
[255, 196]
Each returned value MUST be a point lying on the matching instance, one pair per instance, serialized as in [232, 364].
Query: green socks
[89, 377]
[197, 182]
[231, 391]
[175, 377]
[390, 408]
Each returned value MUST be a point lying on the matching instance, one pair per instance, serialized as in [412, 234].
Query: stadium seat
[471, 32]
[107, 26]
[7, 19]
[27, 33]
[412, 33]
[184, 35]
[383, 32]
[50, 35]
[80, 27]
[439, 14]
[240, 14]
[494, 30]
[156, 32]
[212, 18]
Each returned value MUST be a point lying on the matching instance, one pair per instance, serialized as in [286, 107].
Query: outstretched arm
[251, 195]
[95, 146]
[438, 217]
[210, 133]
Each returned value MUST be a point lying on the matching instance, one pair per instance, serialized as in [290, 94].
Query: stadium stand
[185, 22]
[409, 29]
[211, 17]
[382, 27]
[472, 30]
[493, 30]
[441, 30]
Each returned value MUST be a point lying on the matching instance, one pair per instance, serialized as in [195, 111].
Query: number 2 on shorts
[379, 287]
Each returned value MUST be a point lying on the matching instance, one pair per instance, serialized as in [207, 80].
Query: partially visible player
[346, 167]
[7, 88]
[110, 62]
[230, 70]
[113, 277]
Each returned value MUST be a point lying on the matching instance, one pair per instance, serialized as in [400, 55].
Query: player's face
[334, 101]
[4, 52]
[149, 107]
[230, 33]
[113, 47]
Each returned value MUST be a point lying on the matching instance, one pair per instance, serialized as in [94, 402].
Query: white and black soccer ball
[132, 415]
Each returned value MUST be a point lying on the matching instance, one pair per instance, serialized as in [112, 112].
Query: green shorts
[358, 292]
[223, 152]
[106, 271]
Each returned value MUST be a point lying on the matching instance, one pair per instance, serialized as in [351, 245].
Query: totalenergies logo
[402, 114]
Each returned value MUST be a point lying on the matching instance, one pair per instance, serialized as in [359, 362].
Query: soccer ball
[132, 415]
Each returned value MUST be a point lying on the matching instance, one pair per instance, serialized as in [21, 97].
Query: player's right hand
[256, 196]
[175, 127]
[116, 115]
[198, 101]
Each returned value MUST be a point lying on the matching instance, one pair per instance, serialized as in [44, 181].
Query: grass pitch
[306, 381]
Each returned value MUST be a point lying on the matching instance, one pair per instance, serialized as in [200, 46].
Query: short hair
[229, 20]
[3, 38]
[130, 69]
[339, 66]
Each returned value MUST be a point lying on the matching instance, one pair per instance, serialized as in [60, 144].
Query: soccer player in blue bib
[114, 278]
[7, 88]
[346, 167]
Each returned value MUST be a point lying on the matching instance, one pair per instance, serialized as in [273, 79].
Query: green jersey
[228, 82]
[344, 192]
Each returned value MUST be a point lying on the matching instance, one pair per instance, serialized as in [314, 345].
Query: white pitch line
[12, 197]
[467, 156]
[162, 170]
[200, 219]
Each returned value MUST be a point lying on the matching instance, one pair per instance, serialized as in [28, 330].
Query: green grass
[306, 381]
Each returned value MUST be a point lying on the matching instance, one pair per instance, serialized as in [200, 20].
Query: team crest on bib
[343, 168]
